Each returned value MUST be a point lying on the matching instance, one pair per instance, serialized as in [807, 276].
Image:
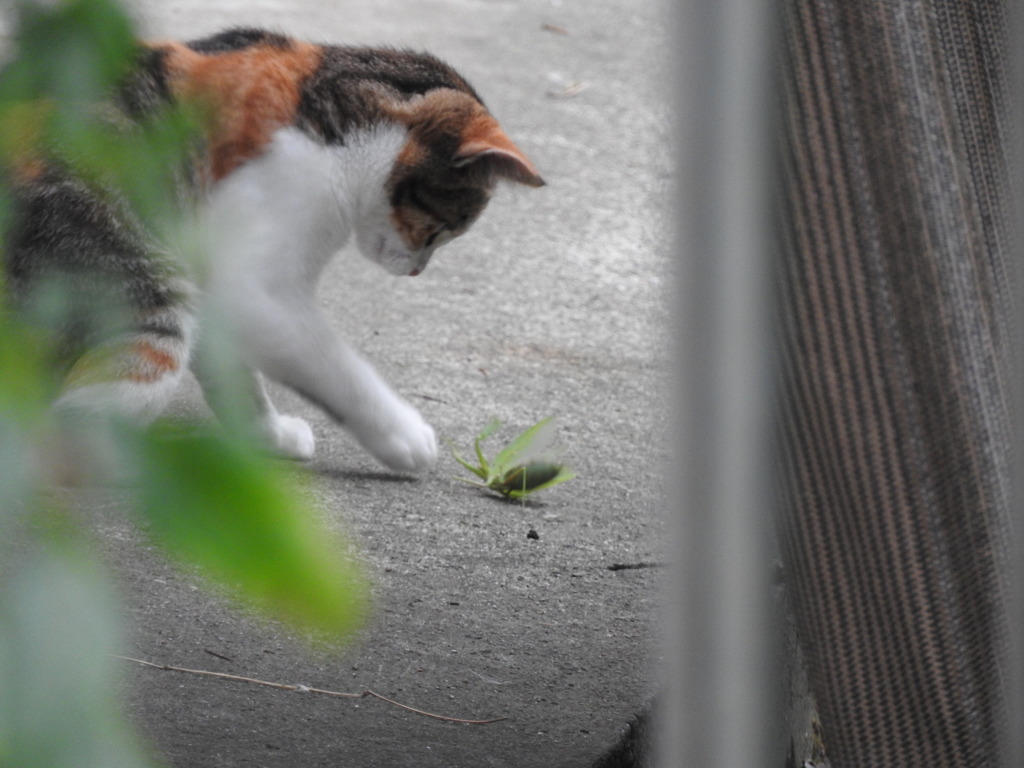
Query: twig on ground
[431, 398]
[635, 566]
[306, 689]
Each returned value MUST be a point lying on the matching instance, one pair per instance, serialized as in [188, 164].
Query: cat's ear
[486, 147]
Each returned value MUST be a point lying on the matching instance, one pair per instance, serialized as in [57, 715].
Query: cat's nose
[422, 261]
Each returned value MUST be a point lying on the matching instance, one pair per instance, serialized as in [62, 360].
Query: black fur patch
[145, 90]
[344, 93]
[238, 39]
[63, 226]
[68, 241]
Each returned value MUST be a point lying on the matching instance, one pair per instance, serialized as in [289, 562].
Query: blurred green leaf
[215, 504]
[207, 499]
[25, 383]
[72, 52]
[58, 629]
[70, 58]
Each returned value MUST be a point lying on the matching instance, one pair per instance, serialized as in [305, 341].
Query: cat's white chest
[280, 217]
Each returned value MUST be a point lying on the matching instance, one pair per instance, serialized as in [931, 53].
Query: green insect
[517, 470]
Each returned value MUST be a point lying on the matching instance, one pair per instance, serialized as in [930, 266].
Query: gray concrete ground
[553, 304]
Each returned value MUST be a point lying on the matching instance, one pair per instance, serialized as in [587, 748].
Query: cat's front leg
[237, 395]
[290, 437]
[391, 429]
[294, 345]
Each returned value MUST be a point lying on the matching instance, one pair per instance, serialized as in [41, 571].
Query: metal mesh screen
[896, 313]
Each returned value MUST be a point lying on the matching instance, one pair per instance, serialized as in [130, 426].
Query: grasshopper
[517, 470]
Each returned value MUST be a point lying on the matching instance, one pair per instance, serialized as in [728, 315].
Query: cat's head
[252, 83]
[454, 154]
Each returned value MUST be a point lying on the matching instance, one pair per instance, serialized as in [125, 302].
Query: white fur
[274, 224]
[140, 402]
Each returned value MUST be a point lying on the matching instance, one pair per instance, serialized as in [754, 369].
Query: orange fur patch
[140, 362]
[412, 153]
[412, 225]
[483, 134]
[27, 170]
[446, 111]
[156, 363]
[22, 127]
[253, 92]
[443, 110]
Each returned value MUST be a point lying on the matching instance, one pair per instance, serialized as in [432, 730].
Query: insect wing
[537, 473]
[532, 443]
[527, 478]
[563, 474]
[492, 426]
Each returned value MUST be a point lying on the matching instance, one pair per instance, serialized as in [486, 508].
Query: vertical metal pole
[722, 704]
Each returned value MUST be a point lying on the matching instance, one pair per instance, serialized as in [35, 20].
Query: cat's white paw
[290, 437]
[406, 443]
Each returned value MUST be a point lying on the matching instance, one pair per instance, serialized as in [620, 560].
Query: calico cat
[308, 146]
